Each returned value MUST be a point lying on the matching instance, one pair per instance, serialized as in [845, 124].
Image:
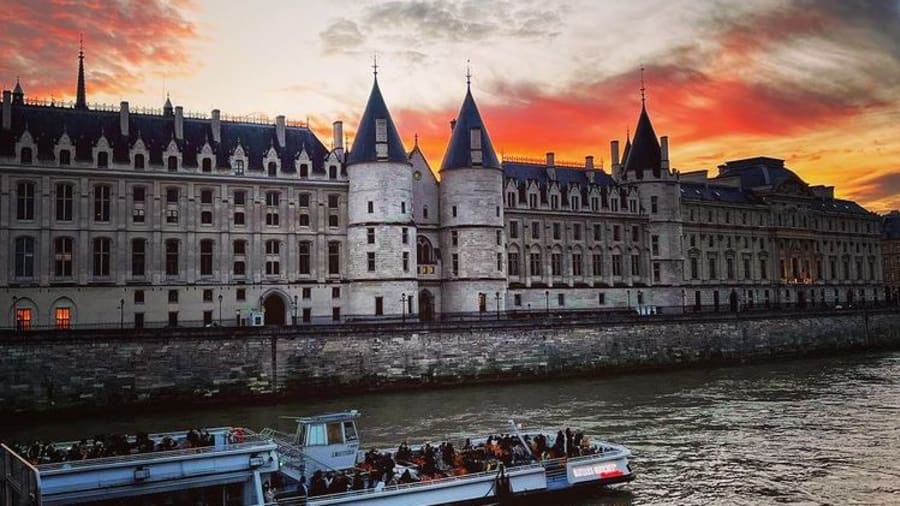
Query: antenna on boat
[515, 428]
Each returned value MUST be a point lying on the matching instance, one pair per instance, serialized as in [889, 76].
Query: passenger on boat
[358, 483]
[317, 484]
[406, 477]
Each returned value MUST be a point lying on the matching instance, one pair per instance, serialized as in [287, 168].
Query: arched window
[25, 156]
[273, 169]
[139, 161]
[207, 165]
[424, 251]
[102, 159]
[173, 164]
[65, 157]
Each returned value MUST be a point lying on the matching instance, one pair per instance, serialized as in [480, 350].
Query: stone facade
[891, 254]
[107, 370]
[152, 218]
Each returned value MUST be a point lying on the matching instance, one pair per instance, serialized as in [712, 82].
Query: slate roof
[85, 127]
[717, 193]
[645, 152]
[759, 171]
[892, 225]
[564, 175]
[364, 144]
[459, 152]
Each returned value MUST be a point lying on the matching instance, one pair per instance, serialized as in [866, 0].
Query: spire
[627, 144]
[80, 95]
[468, 75]
[643, 97]
[18, 96]
[470, 145]
[167, 107]
[376, 139]
[645, 152]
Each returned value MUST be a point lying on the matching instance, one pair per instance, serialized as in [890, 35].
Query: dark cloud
[341, 35]
[883, 187]
[124, 41]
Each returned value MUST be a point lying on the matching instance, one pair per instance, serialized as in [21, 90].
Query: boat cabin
[329, 441]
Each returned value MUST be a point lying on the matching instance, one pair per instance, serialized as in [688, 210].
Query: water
[817, 431]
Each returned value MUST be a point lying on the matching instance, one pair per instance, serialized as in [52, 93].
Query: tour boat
[233, 465]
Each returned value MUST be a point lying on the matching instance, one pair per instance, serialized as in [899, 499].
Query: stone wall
[104, 370]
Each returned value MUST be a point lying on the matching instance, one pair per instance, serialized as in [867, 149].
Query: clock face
[417, 175]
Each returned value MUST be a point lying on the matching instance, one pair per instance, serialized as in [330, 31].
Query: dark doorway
[274, 307]
[716, 301]
[697, 301]
[482, 302]
[733, 301]
[801, 299]
[426, 306]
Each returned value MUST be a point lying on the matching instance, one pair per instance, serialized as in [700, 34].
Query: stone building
[891, 254]
[124, 217]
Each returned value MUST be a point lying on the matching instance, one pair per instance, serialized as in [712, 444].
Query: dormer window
[65, 157]
[25, 156]
[332, 172]
[172, 163]
[102, 159]
[304, 170]
[139, 161]
[475, 146]
[206, 165]
[381, 147]
[273, 169]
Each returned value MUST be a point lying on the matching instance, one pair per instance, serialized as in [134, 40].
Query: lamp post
[547, 300]
[237, 317]
[497, 296]
[220, 309]
[403, 307]
[628, 295]
[294, 310]
[16, 312]
[121, 313]
[683, 301]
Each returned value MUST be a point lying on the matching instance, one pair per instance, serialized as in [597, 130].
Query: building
[891, 254]
[126, 217]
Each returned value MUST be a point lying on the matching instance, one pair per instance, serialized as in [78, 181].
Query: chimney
[279, 130]
[123, 118]
[452, 124]
[614, 148]
[216, 125]
[551, 159]
[179, 122]
[664, 151]
[338, 128]
[7, 109]
[589, 162]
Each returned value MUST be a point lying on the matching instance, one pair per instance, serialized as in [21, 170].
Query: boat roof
[326, 417]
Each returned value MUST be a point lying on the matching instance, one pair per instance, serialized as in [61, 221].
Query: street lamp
[220, 309]
[237, 317]
[497, 296]
[403, 307]
[121, 313]
[628, 295]
[683, 302]
[294, 308]
[547, 299]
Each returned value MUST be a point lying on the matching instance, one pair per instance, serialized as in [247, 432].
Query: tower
[645, 166]
[381, 264]
[471, 204]
[80, 94]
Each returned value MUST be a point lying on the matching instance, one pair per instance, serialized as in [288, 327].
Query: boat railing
[249, 441]
[425, 483]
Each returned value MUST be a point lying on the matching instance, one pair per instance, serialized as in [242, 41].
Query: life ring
[237, 435]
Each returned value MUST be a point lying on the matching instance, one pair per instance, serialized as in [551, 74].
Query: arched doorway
[275, 310]
[426, 306]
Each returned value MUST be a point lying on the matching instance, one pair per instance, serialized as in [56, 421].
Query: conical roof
[460, 149]
[18, 89]
[645, 153]
[365, 144]
[627, 148]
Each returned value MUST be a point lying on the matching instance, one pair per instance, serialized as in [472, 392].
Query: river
[814, 431]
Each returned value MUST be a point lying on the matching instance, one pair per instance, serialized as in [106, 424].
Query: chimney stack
[614, 155]
[7, 109]
[215, 125]
[123, 118]
[664, 151]
[452, 124]
[338, 129]
[551, 159]
[279, 130]
[179, 122]
[589, 162]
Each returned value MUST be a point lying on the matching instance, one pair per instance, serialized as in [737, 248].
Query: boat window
[349, 431]
[301, 434]
[316, 434]
[335, 433]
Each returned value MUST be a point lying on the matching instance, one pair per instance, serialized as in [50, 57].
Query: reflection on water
[813, 431]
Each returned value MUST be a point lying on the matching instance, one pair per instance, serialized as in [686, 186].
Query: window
[695, 271]
[25, 201]
[239, 268]
[138, 296]
[371, 207]
[334, 257]
[635, 265]
[206, 217]
[303, 200]
[425, 212]
[333, 201]
[23, 318]
[206, 165]
[656, 272]
[137, 211]
[273, 258]
[556, 264]
[370, 261]
[273, 169]
[514, 230]
[556, 231]
[171, 246]
[576, 232]
[303, 252]
[617, 233]
[304, 220]
[513, 264]
[499, 262]
[747, 268]
[272, 200]
[534, 264]
[454, 238]
[206, 257]
[379, 306]
[333, 220]
[454, 211]
[654, 245]
[103, 159]
[454, 259]
[24, 257]
[62, 257]
[64, 202]
[561, 299]
[404, 235]
[712, 268]
[517, 299]
[139, 161]
[304, 170]
[206, 196]
[101, 203]
[240, 196]
[370, 235]
[405, 261]
[601, 298]
[577, 264]
[207, 295]
[332, 172]
[101, 256]
[173, 318]
[654, 204]
[499, 238]
[535, 230]
[635, 234]
[240, 295]
[172, 164]
[335, 292]
[617, 265]
[597, 264]
[336, 314]
[138, 257]
[65, 157]
[173, 296]
[238, 218]
[306, 293]
[403, 207]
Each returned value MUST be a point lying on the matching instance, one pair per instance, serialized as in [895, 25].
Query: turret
[18, 96]
[471, 208]
[381, 234]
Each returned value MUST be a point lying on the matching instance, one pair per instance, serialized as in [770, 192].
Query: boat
[320, 463]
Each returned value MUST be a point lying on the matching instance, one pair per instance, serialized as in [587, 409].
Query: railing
[542, 161]
[19, 480]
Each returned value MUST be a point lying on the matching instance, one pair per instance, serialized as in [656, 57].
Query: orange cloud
[124, 42]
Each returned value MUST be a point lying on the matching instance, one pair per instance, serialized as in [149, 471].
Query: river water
[815, 431]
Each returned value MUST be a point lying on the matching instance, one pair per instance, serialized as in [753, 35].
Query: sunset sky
[814, 82]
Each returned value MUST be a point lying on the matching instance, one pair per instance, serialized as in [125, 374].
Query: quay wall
[96, 370]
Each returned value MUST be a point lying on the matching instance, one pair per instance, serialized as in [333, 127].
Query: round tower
[472, 227]
[381, 234]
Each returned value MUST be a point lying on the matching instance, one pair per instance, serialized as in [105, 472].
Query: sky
[815, 82]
